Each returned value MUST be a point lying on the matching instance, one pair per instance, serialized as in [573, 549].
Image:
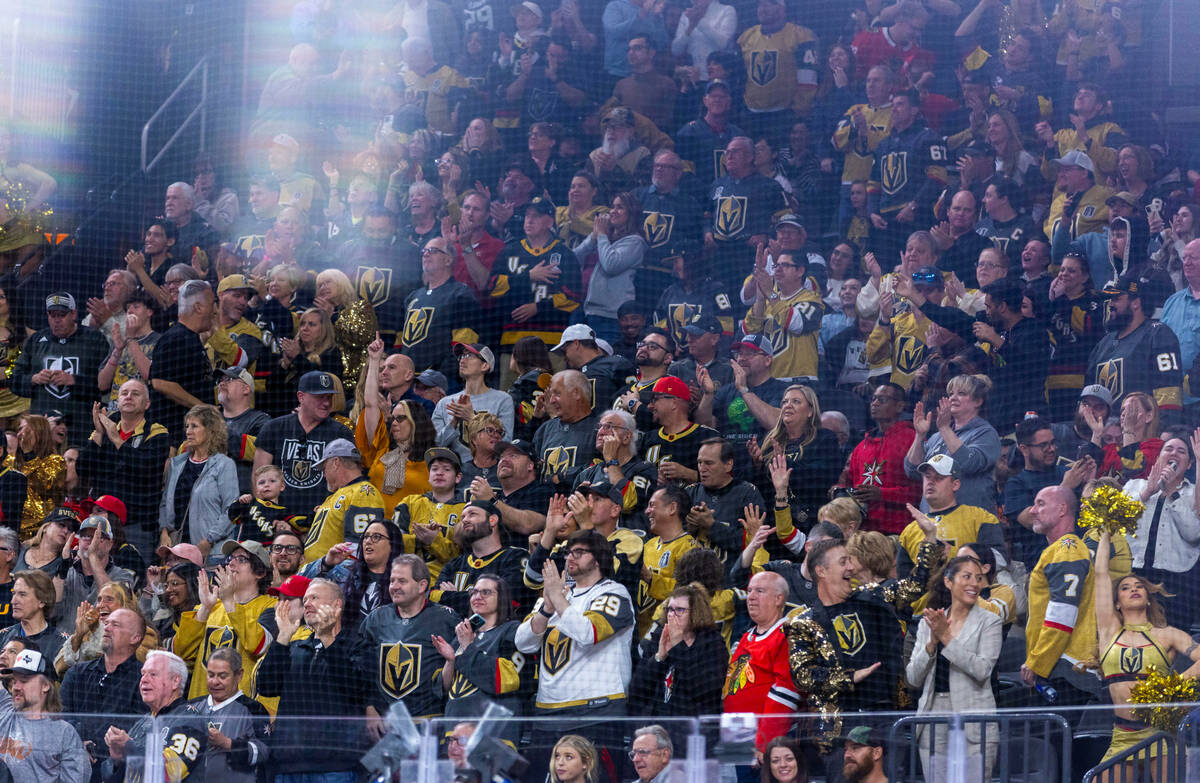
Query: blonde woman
[84, 644]
[957, 429]
[843, 512]
[574, 760]
[313, 348]
[201, 485]
[354, 322]
[44, 469]
[812, 454]
[1140, 444]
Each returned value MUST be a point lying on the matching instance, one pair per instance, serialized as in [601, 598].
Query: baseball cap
[1125, 197]
[235, 374]
[942, 464]
[1125, 284]
[523, 446]
[295, 586]
[754, 342]
[705, 324]
[717, 84]
[1076, 158]
[604, 345]
[542, 206]
[64, 516]
[789, 219]
[575, 332]
[317, 382]
[479, 349]
[1099, 391]
[618, 116]
[437, 452]
[523, 165]
[288, 141]
[604, 488]
[979, 149]
[98, 523]
[189, 552]
[864, 735]
[234, 283]
[55, 413]
[340, 448]
[488, 506]
[30, 661]
[252, 548]
[113, 505]
[529, 6]
[672, 386]
[60, 300]
[433, 378]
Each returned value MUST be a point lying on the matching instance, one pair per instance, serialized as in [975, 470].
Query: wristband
[544, 613]
[612, 463]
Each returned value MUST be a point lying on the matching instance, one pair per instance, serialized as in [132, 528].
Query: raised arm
[1107, 624]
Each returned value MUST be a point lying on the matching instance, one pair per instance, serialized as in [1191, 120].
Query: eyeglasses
[482, 592]
[665, 166]
[608, 425]
[428, 251]
[284, 549]
[492, 431]
[578, 552]
[633, 754]
[647, 345]
[989, 265]
[677, 610]
[786, 265]
[885, 398]
[238, 559]
[375, 538]
[457, 740]
[1050, 444]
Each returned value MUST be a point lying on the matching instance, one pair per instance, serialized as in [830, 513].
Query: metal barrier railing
[1155, 759]
[1031, 737]
[200, 70]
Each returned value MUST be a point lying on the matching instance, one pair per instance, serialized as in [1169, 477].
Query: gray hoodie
[40, 751]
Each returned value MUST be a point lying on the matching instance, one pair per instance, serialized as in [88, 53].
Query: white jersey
[585, 650]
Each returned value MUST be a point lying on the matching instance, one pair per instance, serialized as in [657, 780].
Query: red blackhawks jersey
[760, 681]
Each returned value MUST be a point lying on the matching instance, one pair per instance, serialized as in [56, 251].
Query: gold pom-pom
[1164, 688]
[15, 199]
[1108, 508]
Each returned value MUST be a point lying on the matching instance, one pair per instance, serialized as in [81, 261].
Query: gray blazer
[215, 490]
[972, 656]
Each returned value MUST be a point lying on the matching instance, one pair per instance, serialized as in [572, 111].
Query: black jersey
[703, 146]
[864, 629]
[742, 208]
[910, 165]
[432, 315]
[462, 572]
[400, 653]
[657, 446]
[1009, 236]
[608, 375]
[297, 452]
[640, 479]
[726, 535]
[490, 669]
[681, 305]
[671, 222]
[384, 275]
[256, 521]
[1145, 360]
[565, 449]
[1076, 325]
[511, 287]
[184, 737]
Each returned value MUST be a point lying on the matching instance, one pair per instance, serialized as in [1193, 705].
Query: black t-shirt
[243, 430]
[297, 452]
[180, 357]
[737, 424]
[183, 494]
[534, 496]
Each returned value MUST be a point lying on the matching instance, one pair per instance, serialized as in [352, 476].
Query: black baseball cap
[605, 489]
[705, 324]
[317, 382]
[437, 452]
[523, 446]
[542, 206]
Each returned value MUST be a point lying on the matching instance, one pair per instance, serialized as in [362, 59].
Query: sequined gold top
[354, 329]
[47, 477]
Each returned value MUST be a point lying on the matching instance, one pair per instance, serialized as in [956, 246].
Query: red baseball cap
[295, 586]
[113, 505]
[669, 384]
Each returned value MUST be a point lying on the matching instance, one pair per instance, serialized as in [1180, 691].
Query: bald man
[1061, 629]
[396, 375]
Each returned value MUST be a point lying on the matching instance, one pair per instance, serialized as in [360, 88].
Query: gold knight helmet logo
[764, 67]
[399, 666]
[657, 228]
[731, 216]
[374, 284]
[416, 325]
[1111, 376]
[559, 459]
[850, 634]
[894, 172]
[556, 651]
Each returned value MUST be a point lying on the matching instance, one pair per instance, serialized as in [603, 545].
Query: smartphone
[476, 621]
[211, 573]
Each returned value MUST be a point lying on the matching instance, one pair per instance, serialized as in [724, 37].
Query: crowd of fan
[644, 359]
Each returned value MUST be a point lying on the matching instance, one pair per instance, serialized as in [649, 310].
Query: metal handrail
[201, 108]
[1161, 766]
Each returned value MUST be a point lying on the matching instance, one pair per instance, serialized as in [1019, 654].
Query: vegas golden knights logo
[559, 459]
[1131, 660]
[556, 651]
[399, 668]
[657, 228]
[680, 316]
[374, 284]
[910, 352]
[893, 172]
[1111, 377]
[301, 470]
[850, 635]
[731, 216]
[216, 638]
[461, 688]
[719, 169]
[764, 67]
[416, 326]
